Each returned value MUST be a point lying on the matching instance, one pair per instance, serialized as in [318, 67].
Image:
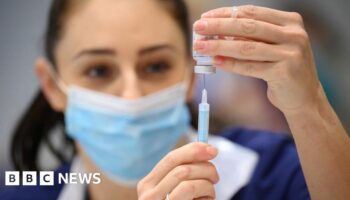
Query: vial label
[202, 60]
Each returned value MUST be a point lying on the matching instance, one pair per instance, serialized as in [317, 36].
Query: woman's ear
[54, 95]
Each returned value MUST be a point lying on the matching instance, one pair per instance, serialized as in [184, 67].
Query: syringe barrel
[203, 122]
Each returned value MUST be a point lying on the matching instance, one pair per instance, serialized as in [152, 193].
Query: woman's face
[126, 48]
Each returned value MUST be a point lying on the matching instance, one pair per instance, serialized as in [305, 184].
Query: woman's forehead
[117, 24]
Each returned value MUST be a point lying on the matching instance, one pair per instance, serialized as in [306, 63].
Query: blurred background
[241, 102]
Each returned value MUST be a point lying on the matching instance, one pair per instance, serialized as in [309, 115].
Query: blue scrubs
[277, 175]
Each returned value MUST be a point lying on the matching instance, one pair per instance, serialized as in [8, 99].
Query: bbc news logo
[47, 178]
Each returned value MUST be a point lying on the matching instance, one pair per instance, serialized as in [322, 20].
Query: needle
[204, 81]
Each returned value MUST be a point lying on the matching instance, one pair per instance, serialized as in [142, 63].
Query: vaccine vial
[204, 63]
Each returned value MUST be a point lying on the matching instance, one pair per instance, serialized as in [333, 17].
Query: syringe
[204, 66]
[203, 118]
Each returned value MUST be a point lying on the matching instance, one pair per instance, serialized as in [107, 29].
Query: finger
[241, 50]
[205, 198]
[261, 70]
[204, 171]
[189, 190]
[190, 153]
[269, 15]
[248, 28]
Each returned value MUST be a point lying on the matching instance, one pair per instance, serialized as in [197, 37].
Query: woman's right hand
[184, 174]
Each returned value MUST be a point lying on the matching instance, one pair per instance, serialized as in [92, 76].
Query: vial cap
[204, 69]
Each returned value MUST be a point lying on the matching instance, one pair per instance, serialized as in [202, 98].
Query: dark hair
[35, 128]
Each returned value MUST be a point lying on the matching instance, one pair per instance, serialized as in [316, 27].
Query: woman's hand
[273, 45]
[184, 174]
[269, 44]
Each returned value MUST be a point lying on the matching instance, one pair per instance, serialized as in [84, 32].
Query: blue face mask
[127, 138]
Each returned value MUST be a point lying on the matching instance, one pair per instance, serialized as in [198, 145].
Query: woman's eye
[98, 72]
[157, 68]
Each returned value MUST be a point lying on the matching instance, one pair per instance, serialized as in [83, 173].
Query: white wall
[22, 24]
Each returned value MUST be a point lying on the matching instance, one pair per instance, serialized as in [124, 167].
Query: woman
[120, 73]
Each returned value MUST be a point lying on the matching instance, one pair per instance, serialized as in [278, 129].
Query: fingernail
[212, 150]
[218, 61]
[200, 25]
[199, 45]
[234, 12]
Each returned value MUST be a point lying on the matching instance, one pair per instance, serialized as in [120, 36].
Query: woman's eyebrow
[156, 48]
[96, 52]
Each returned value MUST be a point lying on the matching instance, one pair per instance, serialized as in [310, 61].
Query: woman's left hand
[269, 44]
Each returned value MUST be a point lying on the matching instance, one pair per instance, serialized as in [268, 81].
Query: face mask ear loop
[61, 85]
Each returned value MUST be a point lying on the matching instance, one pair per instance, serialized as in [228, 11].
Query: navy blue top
[277, 176]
